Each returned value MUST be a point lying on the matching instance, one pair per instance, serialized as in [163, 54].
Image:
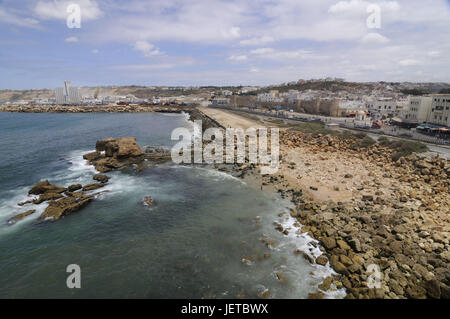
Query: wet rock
[308, 258]
[325, 285]
[322, 260]
[120, 148]
[281, 278]
[46, 197]
[338, 266]
[91, 187]
[64, 207]
[118, 153]
[101, 178]
[329, 242]
[26, 202]
[75, 187]
[92, 156]
[317, 295]
[148, 201]
[16, 218]
[45, 187]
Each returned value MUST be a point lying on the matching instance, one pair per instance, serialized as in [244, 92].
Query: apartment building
[418, 109]
[67, 94]
[440, 110]
[382, 107]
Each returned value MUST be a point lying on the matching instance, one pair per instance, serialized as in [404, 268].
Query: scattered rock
[148, 201]
[45, 187]
[91, 187]
[46, 197]
[75, 187]
[317, 295]
[101, 178]
[16, 218]
[322, 260]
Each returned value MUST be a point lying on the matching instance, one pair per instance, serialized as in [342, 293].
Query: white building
[227, 93]
[440, 110]
[418, 109]
[382, 107]
[269, 97]
[67, 94]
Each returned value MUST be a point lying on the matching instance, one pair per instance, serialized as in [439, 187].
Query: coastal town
[419, 111]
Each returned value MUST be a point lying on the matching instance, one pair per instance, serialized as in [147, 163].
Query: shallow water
[190, 245]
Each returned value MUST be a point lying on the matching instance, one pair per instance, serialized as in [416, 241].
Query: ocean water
[190, 245]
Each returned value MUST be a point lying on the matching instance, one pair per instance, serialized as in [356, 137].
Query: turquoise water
[190, 245]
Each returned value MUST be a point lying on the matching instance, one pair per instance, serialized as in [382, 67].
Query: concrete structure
[269, 98]
[382, 107]
[418, 109]
[220, 102]
[440, 110]
[67, 95]
[319, 107]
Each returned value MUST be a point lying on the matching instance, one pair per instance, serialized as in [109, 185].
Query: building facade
[440, 110]
[67, 95]
[417, 110]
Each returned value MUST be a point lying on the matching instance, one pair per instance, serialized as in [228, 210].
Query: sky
[215, 42]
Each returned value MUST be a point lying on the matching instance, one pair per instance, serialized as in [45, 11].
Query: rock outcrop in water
[115, 153]
[63, 201]
[118, 153]
[16, 218]
[45, 187]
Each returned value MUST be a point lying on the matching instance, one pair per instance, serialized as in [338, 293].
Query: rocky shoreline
[193, 112]
[396, 216]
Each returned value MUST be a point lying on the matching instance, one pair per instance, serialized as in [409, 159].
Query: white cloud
[374, 38]
[71, 39]
[238, 58]
[257, 41]
[262, 51]
[233, 32]
[147, 48]
[254, 70]
[409, 62]
[270, 53]
[95, 51]
[16, 20]
[434, 54]
[57, 10]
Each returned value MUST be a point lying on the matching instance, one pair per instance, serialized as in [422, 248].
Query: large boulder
[45, 187]
[101, 178]
[118, 153]
[119, 147]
